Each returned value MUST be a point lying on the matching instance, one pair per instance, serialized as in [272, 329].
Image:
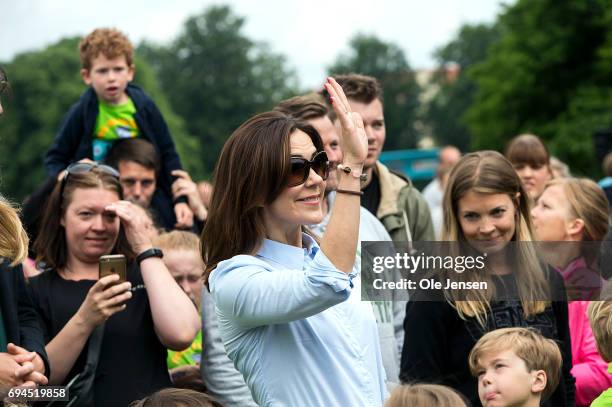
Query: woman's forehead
[301, 144]
[475, 201]
[93, 196]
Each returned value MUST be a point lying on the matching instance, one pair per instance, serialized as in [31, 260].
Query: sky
[310, 34]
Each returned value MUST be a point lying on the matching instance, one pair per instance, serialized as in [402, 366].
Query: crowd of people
[248, 290]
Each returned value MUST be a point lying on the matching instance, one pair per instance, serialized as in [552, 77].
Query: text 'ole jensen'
[431, 284]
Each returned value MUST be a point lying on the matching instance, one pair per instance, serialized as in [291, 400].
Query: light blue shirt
[389, 314]
[286, 325]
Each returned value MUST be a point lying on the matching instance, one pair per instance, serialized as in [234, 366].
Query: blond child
[600, 318]
[424, 395]
[515, 367]
[182, 257]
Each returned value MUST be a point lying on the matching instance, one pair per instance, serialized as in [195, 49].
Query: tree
[44, 85]
[455, 90]
[216, 78]
[549, 74]
[385, 61]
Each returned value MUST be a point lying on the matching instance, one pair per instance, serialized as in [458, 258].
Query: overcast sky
[309, 33]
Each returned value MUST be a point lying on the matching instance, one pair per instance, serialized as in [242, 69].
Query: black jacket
[20, 318]
[74, 142]
[437, 341]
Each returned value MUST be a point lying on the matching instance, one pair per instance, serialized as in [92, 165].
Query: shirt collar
[286, 255]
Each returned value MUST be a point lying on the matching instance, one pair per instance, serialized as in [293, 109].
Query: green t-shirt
[114, 122]
[605, 399]
[189, 356]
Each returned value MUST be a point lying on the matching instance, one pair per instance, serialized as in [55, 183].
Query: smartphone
[113, 264]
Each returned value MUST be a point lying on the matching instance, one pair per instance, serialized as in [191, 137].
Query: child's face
[505, 381]
[109, 78]
[186, 267]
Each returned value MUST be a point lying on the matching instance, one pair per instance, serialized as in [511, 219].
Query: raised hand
[353, 140]
[184, 186]
[135, 224]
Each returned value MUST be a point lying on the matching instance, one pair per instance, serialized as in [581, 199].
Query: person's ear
[85, 74]
[539, 381]
[131, 71]
[62, 222]
[575, 227]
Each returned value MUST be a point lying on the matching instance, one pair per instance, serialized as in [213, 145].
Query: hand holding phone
[108, 295]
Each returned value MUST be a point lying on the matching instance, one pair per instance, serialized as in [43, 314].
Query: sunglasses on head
[82, 168]
[300, 168]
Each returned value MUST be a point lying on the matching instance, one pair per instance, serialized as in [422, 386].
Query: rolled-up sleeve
[253, 293]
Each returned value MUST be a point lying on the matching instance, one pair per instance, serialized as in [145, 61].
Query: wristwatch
[152, 252]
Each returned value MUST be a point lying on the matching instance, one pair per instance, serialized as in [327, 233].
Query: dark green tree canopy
[454, 94]
[216, 78]
[549, 74]
[44, 85]
[385, 61]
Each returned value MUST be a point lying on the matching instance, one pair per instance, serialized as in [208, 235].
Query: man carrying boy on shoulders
[113, 109]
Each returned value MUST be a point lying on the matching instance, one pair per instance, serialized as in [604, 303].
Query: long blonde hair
[489, 172]
[13, 238]
[587, 202]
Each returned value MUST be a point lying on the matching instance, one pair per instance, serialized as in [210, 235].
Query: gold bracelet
[346, 191]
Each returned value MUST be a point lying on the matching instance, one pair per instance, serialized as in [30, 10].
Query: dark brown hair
[177, 397]
[360, 88]
[307, 107]
[528, 149]
[110, 42]
[251, 172]
[137, 150]
[51, 245]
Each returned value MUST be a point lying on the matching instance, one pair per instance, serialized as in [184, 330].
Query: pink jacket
[589, 369]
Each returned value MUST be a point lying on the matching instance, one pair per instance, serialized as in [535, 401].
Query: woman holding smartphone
[486, 210]
[85, 219]
[281, 295]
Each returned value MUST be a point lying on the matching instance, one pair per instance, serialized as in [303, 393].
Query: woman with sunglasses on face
[281, 295]
[575, 210]
[486, 210]
[85, 218]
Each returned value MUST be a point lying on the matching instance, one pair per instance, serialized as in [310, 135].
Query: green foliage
[44, 85]
[549, 74]
[444, 113]
[385, 61]
[216, 78]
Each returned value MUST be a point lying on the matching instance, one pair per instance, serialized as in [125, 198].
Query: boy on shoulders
[113, 109]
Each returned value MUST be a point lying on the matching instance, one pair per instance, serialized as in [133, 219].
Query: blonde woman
[485, 209]
[23, 360]
[576, 210]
